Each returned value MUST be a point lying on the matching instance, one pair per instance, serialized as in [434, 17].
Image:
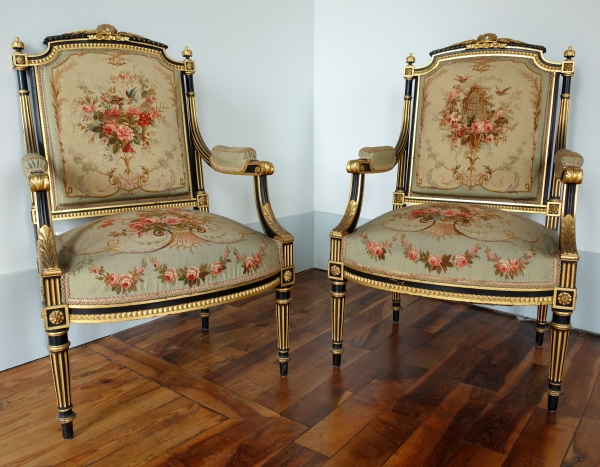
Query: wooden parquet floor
[451, 386]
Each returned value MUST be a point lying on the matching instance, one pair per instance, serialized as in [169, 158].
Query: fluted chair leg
[282, 300]
[205, 315]
[58, 345]
[541, 326]
[396, 307]
[338, 302]
[561, 326]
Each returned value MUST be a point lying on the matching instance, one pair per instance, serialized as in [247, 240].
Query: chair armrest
[35, 167]
[269, 223]
[373, 160]
[567, 166]
[238, 161]
[353, 208]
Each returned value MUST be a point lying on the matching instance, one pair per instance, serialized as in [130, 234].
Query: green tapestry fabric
[162, 253]
[481, 129]
[114, 126]
[231, 159]
[381, 157]
[458, 244]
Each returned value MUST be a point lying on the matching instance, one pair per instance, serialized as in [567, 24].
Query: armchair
[481, 133]
[110, 131]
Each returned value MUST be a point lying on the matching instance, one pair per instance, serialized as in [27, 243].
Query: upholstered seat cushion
[161, 253]
[456, 244]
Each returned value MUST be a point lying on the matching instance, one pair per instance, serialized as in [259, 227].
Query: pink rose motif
[257, 259]
[170, 275]
[156, 264]
[489, 138]
[489, 256]
[450, 212]
[110, 127]
[474, 250]
[95, 269]
[150, 99]
[133, 111]
[477, 127]
[503, 266]
[430, 210]
[403, 241]
[216, 268]
[171, 220]
[226, 255]
[460, 260]
[487, 126]
[149, 220]
[371, 245]
[529, 254]
[141, 270]
[378, 249]
[249, 263]
[434, 260]
[456, 117]
[137, 225]
[192, 274]
[413, 254]
[497, 114]
[504, 131]
[107, 223]
[238, 257]
[125, 281]
[515, 264]
[448, 119]
[89, 108]
[113, 279]
[124, 133]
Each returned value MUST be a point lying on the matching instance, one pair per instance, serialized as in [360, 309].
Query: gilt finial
[187, 53]
[410, 59]
[569, 53]
[17, 45]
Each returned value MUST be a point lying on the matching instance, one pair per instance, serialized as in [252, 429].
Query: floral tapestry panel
[457, 244]
[154, 254]
[481, 129]
[114, 127]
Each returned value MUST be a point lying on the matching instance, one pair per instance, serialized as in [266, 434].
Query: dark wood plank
[429, 391]
[234, 442]
[294, 455]
[504, 419]
[544, 441]
[433, 442]
[340, 426]
[469, 455]
[491, 372]
[376, 442]
[208, 394]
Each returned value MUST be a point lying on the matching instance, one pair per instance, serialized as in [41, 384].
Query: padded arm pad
[226, 159]
[382, 158]
[565, 159]
[34, 164]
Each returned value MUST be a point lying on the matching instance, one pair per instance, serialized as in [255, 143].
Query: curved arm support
[567, 166]
[270, 225]
[350, 219]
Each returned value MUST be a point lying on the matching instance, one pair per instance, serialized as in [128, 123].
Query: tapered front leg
[396, 307]
[561, 326]
[59, 358]
[338, 303]
[205, 315]
[282, 300]
[541, 326]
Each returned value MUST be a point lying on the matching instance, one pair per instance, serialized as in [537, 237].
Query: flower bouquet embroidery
[510, 268]
[120, 283]
[378, 250]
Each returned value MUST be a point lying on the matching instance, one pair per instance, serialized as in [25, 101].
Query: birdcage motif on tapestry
[474, 104]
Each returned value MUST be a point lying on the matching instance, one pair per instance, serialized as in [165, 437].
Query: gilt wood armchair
[110, 131]
[483, 139]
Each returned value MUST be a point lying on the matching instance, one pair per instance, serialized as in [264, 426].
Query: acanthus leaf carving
[47, 255]
[568, 241]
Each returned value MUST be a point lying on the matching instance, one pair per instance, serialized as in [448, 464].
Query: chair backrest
[482, 124]
[110, 114]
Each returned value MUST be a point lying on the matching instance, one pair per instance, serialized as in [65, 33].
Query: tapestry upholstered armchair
[111, 132]
[483, 139]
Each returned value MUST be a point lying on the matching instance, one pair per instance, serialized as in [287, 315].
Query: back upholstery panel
[482, 129]
[114, 128]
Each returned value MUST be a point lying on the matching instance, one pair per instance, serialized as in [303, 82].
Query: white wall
[254, 88]
[360, 47]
